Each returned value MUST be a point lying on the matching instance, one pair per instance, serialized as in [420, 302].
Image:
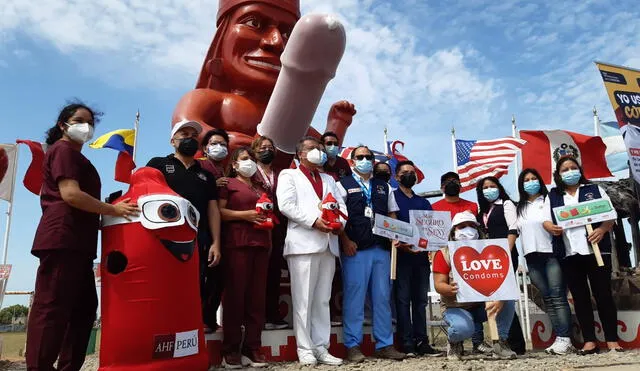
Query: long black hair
[557, 178]
[524, 196]
[55, 133]
[484, 204]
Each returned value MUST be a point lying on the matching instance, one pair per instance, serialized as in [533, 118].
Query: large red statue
[151, 316]
[241, 68]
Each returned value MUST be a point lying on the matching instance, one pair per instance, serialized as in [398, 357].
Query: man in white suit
[310, 249]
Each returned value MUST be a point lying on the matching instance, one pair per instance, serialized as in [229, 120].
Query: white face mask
[466, 233]
[317, 157]
[80, 132]
[247, 168]
[217, 152]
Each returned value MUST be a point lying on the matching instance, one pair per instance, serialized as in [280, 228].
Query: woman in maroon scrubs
[246, 258]
[65, 302]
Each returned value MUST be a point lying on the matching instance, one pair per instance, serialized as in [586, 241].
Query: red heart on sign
[484, 272]
[4, 163]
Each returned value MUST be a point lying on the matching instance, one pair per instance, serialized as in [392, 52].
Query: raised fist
[342, 110]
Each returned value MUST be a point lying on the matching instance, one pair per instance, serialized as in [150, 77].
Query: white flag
[8, 156]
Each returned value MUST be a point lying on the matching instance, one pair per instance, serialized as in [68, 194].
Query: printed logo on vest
[380, 190]
[181, 344]
[170, 169]
[202, 176]
[589, 196]
[354, 190]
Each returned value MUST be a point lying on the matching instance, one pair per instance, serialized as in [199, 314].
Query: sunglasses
[331, 143]
[362, 157]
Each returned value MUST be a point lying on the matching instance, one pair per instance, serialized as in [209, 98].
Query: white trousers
[311, 279]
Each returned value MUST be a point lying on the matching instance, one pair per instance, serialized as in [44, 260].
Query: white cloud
[385, 70]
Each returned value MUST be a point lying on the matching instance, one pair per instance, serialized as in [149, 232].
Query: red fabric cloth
[61, 225]
[63, 310]
[314, 178]
[240, 233]
[245, 276]
[439, 264]
[339, 169]
[456, 207]
[33, 177]
[124, 167]
[216, 169]
[544, 148]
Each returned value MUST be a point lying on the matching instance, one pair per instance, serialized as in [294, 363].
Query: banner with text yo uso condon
[623, 89]
[482, 269]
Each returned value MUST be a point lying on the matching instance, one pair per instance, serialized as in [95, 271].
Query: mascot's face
[253, 44]
[171, 219]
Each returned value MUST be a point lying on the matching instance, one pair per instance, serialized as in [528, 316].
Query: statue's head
[245, 52]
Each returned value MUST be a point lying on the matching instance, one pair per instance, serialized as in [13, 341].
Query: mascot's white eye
[332, 206]
[268, 206]
[193, 216]
[169, 212]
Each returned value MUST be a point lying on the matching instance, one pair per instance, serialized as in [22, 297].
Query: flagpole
[596, 122]
[386, 150]
[136, 125]
[10, 211]
[453, 149]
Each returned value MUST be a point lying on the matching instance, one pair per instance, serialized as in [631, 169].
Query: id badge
[368, 212]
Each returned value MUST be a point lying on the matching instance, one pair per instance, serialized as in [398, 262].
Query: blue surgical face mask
[364, 166]
[571, 177]
[332, 151]
[491, 194]
[532, 187]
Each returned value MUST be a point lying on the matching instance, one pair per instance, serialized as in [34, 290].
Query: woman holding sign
[574, 248]
[544, 267]
[498, 217]
[463, 318]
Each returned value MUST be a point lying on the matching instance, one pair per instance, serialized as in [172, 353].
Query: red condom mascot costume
[151, 317]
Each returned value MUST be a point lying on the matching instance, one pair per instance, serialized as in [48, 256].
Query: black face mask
[266, 157]
[408, 180]
[188, 147]
[384, 176]
[452, 189]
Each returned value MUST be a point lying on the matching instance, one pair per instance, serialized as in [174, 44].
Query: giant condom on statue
[267, 66]
[151, 316]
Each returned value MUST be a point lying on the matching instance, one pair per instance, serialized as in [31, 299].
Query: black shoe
[595, 350]
[276, 325]
[424, 349]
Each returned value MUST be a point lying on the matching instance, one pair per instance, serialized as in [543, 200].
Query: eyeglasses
[362, 157]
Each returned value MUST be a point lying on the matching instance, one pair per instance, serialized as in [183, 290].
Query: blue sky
[416, 67]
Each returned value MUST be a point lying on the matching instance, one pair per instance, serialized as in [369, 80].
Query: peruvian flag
[33, 177]
[544, 148]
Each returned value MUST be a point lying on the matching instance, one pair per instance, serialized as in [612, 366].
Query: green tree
[15, 311]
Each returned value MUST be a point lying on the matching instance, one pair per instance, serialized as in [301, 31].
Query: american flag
[482, 158]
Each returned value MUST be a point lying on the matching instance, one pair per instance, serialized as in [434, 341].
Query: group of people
[242, 264]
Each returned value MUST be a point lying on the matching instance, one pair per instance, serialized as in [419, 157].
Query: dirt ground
[627, 361]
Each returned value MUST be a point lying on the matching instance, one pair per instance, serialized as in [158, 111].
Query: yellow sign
[623, 88]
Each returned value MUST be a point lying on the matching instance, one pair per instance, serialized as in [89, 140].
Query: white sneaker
[555, 343]
[325, 358]
[307, 358]
[562, 346]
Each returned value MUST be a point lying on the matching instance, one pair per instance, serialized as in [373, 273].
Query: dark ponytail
[55, 133]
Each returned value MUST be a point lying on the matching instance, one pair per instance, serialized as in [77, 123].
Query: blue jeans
[546, 274]
[411, 288]
[462, 321]
[367, 272]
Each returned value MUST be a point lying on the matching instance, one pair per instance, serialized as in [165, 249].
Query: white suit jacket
[299, 202]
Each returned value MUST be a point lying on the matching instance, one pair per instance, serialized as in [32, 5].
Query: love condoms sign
[482, 269]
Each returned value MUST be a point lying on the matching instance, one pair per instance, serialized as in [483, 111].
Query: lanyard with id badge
[368, 210]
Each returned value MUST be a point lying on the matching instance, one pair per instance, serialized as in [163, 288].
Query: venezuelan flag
[122, 140]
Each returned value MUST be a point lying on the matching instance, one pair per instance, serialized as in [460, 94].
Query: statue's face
[253, 43]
